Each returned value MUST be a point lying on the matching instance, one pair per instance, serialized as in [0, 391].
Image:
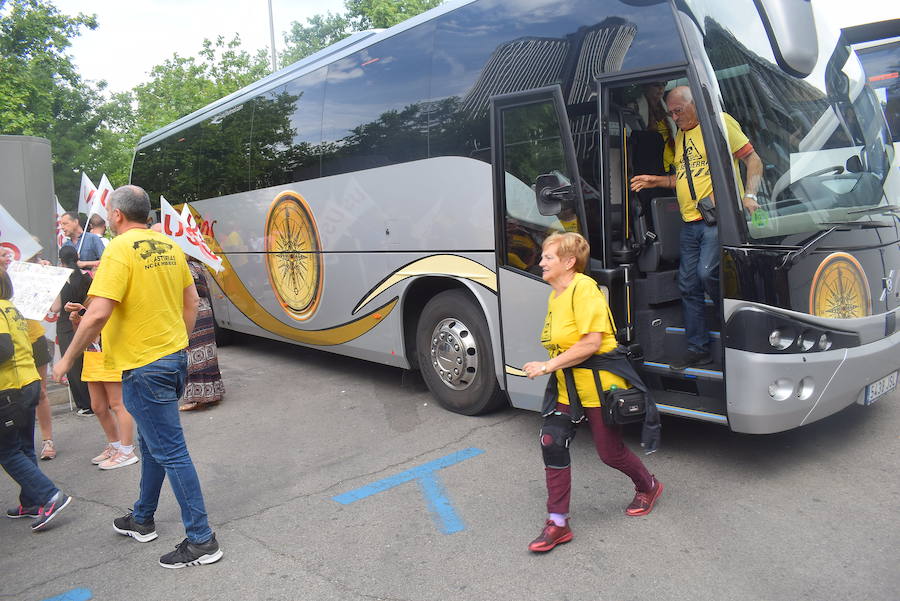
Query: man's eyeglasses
[675, 112]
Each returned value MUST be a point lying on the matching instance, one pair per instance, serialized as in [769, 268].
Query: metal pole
[272, 36]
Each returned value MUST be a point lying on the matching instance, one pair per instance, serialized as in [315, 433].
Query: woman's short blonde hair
[570, 244]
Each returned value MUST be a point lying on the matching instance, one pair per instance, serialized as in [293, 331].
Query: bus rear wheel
[455, 355]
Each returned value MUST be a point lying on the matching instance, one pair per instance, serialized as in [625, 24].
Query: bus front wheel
[454, 351]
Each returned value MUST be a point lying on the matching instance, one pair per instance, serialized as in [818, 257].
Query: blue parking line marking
[439, 505]
[436, 498]
[76, 594]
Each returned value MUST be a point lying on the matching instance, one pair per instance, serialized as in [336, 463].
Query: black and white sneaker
[49, 511]
[84, 412]
[142, 533]
[190, 554]
[21, 511]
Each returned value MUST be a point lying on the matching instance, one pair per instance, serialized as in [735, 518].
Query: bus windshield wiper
[793, 257]
[862, 225]
[876, 210]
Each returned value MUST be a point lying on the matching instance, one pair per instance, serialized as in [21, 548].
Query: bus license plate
[876, 390]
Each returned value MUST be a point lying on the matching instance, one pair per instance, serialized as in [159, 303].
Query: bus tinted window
[375, 110]
[489, 48]
[224, 154]
[287, 132]
[180, 159]
[149, 172]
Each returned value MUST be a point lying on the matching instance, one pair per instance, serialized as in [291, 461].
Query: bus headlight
[781, 338]
[760, 331]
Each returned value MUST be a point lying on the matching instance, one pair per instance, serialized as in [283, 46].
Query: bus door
[642, 231]
[537, 191]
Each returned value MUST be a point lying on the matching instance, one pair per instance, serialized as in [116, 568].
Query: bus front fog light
[824, 342]
[781, 338]
[805, 388]
[781, 389]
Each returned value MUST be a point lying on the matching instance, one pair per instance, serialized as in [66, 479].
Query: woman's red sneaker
[551, 536]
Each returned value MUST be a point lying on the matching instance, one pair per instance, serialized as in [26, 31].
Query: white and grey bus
[386, 198]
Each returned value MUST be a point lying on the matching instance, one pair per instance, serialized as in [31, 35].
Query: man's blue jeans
[698, 272]
[151, 396]
[18, 458]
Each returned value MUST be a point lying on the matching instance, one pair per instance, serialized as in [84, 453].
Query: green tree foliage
[320, 31]
[181, 85]
[323, 30]
[381, 14]
[41, 93]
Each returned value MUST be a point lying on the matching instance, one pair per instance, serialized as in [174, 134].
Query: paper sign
[16, 238]
[86, 194]
[186, 234]
[35, 287]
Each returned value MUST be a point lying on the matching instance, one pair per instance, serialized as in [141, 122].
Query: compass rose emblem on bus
[840, 288]
[293, 258]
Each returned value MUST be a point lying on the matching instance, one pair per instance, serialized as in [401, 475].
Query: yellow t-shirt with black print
[692, 139]
[146, 273]
[579, 310]
[18, 370]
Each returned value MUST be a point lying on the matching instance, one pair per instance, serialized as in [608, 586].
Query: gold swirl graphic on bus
[840, 289]
[293, 257]
[447, 265]
[241, 298]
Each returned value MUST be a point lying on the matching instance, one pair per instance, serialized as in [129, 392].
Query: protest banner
[35, 287]
[16, 238]
[86, 194]
[184, 231]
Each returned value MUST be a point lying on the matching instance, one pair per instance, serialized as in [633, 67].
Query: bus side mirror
[791, 29]
[551, 191]
[854, 164]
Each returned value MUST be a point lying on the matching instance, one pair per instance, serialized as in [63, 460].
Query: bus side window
[532, 146]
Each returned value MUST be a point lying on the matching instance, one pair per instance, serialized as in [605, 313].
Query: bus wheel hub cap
[454, 354]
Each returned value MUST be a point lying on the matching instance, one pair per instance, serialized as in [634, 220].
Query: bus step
[702, 373]
[675, 345]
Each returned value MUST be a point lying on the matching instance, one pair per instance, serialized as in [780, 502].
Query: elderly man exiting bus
[698, 271]
[145, 302]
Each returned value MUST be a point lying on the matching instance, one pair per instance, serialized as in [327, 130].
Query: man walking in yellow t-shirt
[698, 270]
[144, 300]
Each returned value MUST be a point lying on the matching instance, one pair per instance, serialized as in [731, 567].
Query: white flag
[60, 234]
[186, 234]
[101, 199]
[16, 238]
[86, 194]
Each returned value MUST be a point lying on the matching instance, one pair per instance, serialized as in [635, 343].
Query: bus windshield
[823, 139]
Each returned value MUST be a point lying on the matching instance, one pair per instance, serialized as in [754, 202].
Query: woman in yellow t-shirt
[105, 386]
[39, 498]
[578, 325]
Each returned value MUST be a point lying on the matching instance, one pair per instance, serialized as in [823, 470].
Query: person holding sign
[145, 302]
[73, 291]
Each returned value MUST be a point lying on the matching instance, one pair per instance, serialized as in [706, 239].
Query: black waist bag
[13, 415]
[623, 406]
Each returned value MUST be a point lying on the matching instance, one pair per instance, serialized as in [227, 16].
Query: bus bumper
[815, 385]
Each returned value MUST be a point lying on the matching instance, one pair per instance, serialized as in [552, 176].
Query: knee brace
[556, 434]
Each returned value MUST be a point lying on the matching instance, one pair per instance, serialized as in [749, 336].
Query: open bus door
[537, 191]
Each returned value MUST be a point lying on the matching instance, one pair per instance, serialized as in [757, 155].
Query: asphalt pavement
[329, 478]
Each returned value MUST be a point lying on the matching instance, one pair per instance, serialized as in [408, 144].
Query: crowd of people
[113, 292]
